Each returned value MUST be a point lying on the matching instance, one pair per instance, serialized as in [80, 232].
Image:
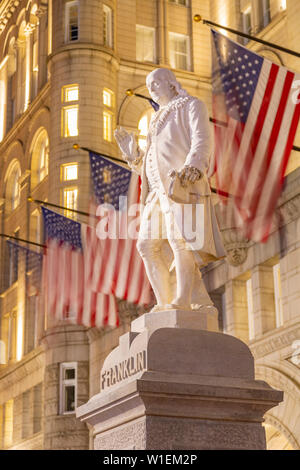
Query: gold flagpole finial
[76, 146]
[197, 18]
[129, 92]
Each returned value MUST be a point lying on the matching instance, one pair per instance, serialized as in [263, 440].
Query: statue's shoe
[178, 307]
[157, 308]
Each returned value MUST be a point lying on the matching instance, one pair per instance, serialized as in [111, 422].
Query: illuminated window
[108, 114]
[69, 172]
[145, 44]
[70, 197]
[71, 21]
[35, 68]
[12, 192]
[282, 5]
[70, 121]
[108, 98]
[68, 387]
[70, 94]
[179, 51]
[107, 26]
[143, 128]
[107, 126]
[39, 158]
[8, 424]
[278, 295]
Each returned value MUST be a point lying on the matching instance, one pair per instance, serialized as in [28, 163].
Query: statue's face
[159, 88]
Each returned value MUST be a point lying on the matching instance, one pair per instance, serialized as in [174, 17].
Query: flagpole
[51, 204]
[86, 149]
[22, 240]
[198, 19]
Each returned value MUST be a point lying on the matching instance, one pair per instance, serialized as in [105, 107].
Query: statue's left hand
[189, 174]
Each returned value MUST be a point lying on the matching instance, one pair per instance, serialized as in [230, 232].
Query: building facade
[65, 67]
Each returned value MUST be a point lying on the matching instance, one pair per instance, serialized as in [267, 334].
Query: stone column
[236, 309]
[290, 281]
[28, 80]
[263, 299]
[42, 46]
[170, 385]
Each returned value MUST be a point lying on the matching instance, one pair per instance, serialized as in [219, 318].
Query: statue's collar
[162, 115]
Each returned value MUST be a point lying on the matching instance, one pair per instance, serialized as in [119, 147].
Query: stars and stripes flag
[67, 259]
[33, 266]
[118, 268]
[255, 99]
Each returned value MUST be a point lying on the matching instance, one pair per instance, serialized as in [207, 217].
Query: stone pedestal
[172, 385]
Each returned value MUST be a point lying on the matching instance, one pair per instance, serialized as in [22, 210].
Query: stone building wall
[30, 383]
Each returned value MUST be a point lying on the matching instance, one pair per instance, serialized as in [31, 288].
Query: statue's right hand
[127, 143]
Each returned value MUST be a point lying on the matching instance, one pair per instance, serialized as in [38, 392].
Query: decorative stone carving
[236, 246]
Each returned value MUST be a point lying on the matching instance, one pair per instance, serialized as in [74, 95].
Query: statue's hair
[169, 76]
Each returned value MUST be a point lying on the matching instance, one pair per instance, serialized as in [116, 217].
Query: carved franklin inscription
[121, 371]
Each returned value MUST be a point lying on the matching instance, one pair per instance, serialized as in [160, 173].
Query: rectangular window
[69, 172]
[8, 424]
[108, 114]
[68, 387]
[70, 121]
[71, 22]
[180, 2]
[70, 96]
[145, 44]
[107, 126]
[70, 196]
[107, 26]
[250, 309]
[179, 51]
[70, 93]
[278, 295]
[108, 98]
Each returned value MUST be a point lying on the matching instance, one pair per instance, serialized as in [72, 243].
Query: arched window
[143, 128]
[39, 157]
[12, 193]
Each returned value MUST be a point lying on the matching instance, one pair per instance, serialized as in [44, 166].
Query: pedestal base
[178, 388]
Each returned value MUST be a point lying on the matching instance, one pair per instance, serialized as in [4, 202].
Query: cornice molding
[7, 8]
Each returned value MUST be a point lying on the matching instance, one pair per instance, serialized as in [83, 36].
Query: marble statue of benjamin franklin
[177, 152]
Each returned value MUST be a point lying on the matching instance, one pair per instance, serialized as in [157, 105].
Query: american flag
[118, 268]
[253, 97]
[33, 266]
[67, 259]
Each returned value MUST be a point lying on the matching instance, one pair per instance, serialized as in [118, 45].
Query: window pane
[145, 41]
[70, 172]
[107, 126]
[107, 26]
[71, 93]
[107, 98]
[73, 23]
[70, 398]
[179, 51]
[69, 374]
[71, 121]
[70, 198]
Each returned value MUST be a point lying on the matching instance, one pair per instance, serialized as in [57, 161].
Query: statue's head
[163, 86]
